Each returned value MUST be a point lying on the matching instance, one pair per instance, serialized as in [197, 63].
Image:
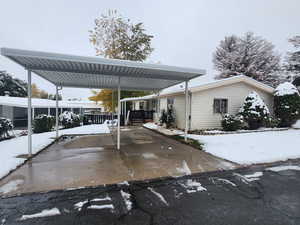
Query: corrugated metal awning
[95, 72]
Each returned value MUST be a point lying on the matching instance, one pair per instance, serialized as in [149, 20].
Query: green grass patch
[192, 142]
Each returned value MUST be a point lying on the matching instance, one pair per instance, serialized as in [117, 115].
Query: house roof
[204, 83]
[95, 72]
[45, 103]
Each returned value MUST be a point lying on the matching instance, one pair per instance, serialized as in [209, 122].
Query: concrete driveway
[93, 160]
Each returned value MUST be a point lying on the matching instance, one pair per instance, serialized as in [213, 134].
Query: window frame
[170, 101]
[220, 109]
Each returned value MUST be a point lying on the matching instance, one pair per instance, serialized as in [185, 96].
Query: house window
[170, 101]
[220, 105]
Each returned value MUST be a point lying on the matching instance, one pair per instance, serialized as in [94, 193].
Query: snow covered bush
[43, 123]
[69, 119]
[232, 123]
[5, 126]
[287, 104]
[254, 111]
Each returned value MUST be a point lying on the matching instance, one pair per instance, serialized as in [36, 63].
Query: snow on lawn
[284, 167]
[297, 125]
[9, 149]
[152, 126]
[163, 130]
[253, 147]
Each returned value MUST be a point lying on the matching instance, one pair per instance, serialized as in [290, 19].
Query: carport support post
[125, 113]
[29, 116]
[186, 110]
[119, 111]
[56, 112]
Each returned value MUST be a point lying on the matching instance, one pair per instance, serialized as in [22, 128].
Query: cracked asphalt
[253, 195]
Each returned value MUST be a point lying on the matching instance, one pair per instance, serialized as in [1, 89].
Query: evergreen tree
[254, 111]
[250, 55]
[287, 104]
[293, 58]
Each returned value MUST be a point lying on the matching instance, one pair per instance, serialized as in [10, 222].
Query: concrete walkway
[93, 160]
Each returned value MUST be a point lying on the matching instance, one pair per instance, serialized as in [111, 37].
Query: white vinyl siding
[203, 116]
[179, 109]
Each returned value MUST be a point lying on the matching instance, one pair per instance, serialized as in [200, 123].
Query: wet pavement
[256, 195]
[93, 160]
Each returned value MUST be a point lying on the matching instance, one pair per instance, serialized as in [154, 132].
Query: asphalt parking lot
[255, 195]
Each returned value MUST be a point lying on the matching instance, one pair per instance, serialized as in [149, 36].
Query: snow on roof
[198, 81]
[203, 83]
[139, 98]
[45, 103]
[286, 89]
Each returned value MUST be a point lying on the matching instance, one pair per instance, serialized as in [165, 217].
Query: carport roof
[95, 72]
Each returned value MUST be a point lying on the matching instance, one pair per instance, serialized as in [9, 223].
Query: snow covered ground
[297, 125]
[9, 149]
[261, 147]
[163, 130]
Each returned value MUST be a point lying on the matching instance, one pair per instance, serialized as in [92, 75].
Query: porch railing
[141, 115]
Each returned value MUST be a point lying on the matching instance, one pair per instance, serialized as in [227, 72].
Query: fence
[100, 118]
[141, 115]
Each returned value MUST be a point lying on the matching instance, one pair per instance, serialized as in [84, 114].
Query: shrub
[272, 122]
[163, 117]
[69, 119]
[168, 117]
[5, 127]
[287, 104]
[43, 123]
[232, 123]
[254, 111]
[86, 120]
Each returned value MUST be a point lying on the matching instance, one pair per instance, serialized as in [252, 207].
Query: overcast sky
[186, 33]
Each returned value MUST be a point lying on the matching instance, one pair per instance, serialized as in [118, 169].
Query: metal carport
[64, 70]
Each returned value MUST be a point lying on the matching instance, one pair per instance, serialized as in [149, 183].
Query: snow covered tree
[293, 58]
[117, 38]
[254, 111]
[12, 86]
[250, 55]
[287, 104]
